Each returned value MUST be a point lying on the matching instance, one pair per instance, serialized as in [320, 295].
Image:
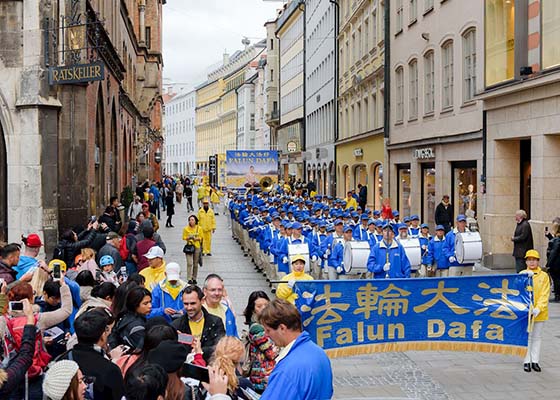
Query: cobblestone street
[410, 375]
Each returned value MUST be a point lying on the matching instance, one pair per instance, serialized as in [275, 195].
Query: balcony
[273, 118]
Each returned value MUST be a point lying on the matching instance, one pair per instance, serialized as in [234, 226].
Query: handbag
[189, 249]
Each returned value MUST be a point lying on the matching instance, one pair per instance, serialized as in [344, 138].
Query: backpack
[123, 250]
[12, 344]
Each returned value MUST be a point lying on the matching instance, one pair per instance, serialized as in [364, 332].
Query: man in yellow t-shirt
[285, 290]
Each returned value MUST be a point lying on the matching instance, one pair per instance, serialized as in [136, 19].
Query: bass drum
[468, 247]
[356, 255]
[413, 252]
[300, 249]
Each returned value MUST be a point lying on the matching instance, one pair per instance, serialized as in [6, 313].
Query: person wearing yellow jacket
[203, 192]
[207, 223]
[155, 273]
[215, 197]
[351, 201]
[541, 294]
[285, 290]
[192, 234]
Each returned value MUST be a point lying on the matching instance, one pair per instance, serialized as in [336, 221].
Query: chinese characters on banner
[486, 313]
[246, 168]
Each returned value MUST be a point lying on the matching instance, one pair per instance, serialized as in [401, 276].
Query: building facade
[180, 134]
[246, 124]
[69, 146]
[522, 120]
[435, 142]
[272, 77]
[319, 94]
[290, 133]
[360, 136]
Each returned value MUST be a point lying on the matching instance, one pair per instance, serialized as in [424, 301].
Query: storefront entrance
[464, 190]
[428, 194]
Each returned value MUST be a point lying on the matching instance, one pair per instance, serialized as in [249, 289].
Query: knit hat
[58, 377]
[169, 354]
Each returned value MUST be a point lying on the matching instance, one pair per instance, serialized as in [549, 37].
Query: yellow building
[360, 145]
[216, 111]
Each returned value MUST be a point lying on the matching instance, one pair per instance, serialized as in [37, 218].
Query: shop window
[465, 187]
[428, 194]
[500, 42]
[377, 186]
[360, 175]
[550, 15]
[403, 199]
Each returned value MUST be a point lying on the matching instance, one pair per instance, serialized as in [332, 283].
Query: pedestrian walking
[179, 189]
[188, 194]
[444, 213]
[522, 240]
[541, 294]
[192, 235]
[207, 221]
[170, 209]
[553, 260]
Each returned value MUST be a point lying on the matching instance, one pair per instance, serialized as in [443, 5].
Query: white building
[246, 128]
[319, 94]
[262, 134]
[180, 134]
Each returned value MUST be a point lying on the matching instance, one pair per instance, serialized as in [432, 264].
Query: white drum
[413, 252]
[301, 249]
[356, 254]
[468, 247]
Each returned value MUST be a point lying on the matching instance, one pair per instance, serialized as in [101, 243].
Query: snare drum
[356, 256]
[413, 252]
[300, 249]
[468, 247]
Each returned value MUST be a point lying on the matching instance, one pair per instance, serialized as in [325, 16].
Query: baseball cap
[296, 225]
[386, 225]
[424, 226]
[376, 212]
[440, 228]
[112, 235]
[145, 205]
[173, 271]
[461, 217]
[403, 226]
[533, 254]
[338, 222]
[297, 257]
[406, 219]
[154, 252]
[364, 216]
[414, 217]
[33, 240]
[396, 213]
[347, 228]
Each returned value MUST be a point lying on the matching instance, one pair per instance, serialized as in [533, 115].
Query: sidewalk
[395, 376]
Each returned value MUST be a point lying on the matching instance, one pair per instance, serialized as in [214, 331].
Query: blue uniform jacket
[161, 299]
[425, 250]
[449, 249]
[436, 253]
[360, 233]
[279, 255]
[400, 265]
[304, 374]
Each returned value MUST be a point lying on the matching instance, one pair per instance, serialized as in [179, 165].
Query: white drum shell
[301, 249]
[413, 252]
[356, 256]
[468, 247]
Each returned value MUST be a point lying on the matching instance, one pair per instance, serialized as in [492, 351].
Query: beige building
[360, 142]
[523, 121]
[435, 143]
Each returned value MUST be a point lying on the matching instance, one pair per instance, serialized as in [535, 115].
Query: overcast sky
[196, 32]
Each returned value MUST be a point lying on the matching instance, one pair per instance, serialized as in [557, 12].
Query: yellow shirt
[351, 202]
[219, 311]
[206, 219]
[285, 292]
[153, 276]
[197, 327]
[194, 231]
[541, 284]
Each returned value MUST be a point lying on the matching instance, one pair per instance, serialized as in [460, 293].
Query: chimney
[226, 58]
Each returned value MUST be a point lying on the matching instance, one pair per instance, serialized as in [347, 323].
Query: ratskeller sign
[81, 73]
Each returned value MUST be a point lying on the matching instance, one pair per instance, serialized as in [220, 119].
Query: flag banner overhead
[247, 168]
[479, 313]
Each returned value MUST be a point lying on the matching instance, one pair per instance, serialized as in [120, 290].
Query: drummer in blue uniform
[438, 261]
[375, 232]
[361, 231]
[387, 259]
[424, 238]
[336, 262]
[456, 268]
[414, 228]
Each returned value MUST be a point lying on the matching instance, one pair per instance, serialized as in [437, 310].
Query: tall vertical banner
[479, 313]
[246, 168]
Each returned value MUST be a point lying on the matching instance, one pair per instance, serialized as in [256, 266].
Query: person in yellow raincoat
[203, 192]
[285, 290]
[541, 294]
[207, 223]
[351, 201]
[215, 198]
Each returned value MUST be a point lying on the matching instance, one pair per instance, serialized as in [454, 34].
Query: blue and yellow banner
[246, 168]
[479, 313]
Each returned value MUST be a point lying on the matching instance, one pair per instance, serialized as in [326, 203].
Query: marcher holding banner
[541, 294]
[387, 259]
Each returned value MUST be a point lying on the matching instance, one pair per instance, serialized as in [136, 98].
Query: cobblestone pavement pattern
[395, 376]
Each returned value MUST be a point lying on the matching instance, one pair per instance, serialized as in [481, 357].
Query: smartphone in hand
[185, 338]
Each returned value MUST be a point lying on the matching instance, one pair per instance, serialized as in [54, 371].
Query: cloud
[196, 33]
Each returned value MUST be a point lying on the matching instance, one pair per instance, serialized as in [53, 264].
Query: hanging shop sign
[73, 74]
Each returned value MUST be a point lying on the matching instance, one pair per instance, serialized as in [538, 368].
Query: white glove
[328, 252]
[527, 272]
[536, 312]
[291, 283]
[452, 259]
[424, 247]
[313, 258]
[285, 260]
[339, 269]
[387, 267]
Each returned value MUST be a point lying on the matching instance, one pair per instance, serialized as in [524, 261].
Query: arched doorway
[99, 157]
[3, 188]
[113, 156]
[376, 183]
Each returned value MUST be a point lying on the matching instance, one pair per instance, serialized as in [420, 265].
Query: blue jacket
[284, 249]
[279, 255]
[449, 249]
[360, 233]
[436, 253]
[425, 250]
[231, 324]
[373, 239]
[25, 263]
[400, 265]
[161, 299]
[304, 374]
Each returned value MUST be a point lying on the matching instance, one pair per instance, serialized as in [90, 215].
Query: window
[447, 75]
[403, 194]
[374, 27]
[499, 40]
[271, 44]
[429, 83]
[469, 65]
[550, 29]
[428, 194]
[413, 90]
[399, 22]
[148, 37]
[413, 10]
[399, 80]
[464, 189]
[252, 123]
[366, 37]
[428, 5]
